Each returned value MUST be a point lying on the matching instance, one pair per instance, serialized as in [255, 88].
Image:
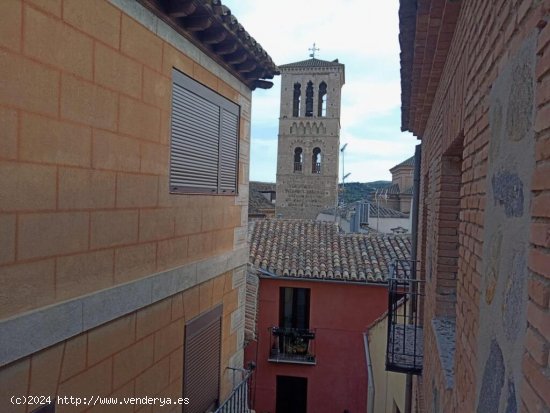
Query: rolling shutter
[228, 152]
[194, 154]
[201, 383]
[205, 135]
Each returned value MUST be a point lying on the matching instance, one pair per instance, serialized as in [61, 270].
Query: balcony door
[291, 394]
[294, 308]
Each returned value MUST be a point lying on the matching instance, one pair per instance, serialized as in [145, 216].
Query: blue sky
[362, 34]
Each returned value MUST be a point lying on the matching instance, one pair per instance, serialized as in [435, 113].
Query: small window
[202, 349]
[316, 161]
[298, 159]
[294, 308]
[322, 105]
[297, 100]
[204, 147]
[309, 99]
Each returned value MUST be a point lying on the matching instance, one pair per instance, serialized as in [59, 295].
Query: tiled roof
[392, 189]
[374, 210]
[212, 27]
[406, 162]
[257, 203]
[263, 186]
[313, 62]
[316, 250]
[385, 212]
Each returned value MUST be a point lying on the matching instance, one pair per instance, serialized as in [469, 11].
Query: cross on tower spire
[313, 50]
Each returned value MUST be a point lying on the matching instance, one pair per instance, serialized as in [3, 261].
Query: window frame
[185, 82]
[196, 331]
[294, 317]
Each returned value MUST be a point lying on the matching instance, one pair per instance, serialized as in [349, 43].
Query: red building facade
[339, 314]
[309, 349]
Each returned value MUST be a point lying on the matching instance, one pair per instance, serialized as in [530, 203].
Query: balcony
[238, 400]
[404, 352]
[292, 345]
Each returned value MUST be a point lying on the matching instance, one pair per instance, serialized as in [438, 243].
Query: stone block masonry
[100, 266]
[490, 95]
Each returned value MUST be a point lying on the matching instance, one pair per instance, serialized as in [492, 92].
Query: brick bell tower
[309, 137]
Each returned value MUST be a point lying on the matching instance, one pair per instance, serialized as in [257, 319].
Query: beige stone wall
[86, 108]
[403, 177]
[389, 387]
[85, 207]
[303, 194]
[138, 355]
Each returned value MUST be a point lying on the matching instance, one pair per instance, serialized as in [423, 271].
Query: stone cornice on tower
[314, 64]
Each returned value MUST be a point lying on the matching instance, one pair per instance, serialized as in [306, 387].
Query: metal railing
[238, 400]
[316, 169]
[297, 166]
[404, 351]
[292, 345]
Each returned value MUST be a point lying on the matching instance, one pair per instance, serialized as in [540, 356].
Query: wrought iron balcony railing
[238, 400]
[297, 166]
[404, 352]
[316, 168]
[292, 345]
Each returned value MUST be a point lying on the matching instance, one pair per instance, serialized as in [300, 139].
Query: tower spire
[313, 50]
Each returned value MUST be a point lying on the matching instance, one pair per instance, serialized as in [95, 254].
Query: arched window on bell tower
[298, 159]
[297, 100]
[322, 105]
[309, 99]
[316, 161]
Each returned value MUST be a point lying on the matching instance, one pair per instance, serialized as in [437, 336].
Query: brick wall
[535, 395]
[490, 38]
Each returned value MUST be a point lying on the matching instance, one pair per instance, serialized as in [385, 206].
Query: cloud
[362, 34]
[285, 27]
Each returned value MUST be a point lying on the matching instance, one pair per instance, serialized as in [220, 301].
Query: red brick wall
[487, 35]
[535, 395]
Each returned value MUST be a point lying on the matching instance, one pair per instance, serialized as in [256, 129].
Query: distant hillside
[359, 190]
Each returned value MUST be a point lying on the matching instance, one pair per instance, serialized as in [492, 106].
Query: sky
[362, 34]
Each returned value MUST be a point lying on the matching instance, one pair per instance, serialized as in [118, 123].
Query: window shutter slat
[194, 130]
[204, 147]
[202, 361]
[228, 154]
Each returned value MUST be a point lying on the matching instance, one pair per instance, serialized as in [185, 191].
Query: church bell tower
[309, 137]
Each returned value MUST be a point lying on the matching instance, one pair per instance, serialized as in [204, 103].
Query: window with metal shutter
[205, 139]
[228, 152]
[201, 382]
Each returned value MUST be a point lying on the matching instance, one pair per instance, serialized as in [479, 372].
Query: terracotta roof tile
[406, 162]
[212, 27]
[263, 186]
[313, 62]
[316, 250]
[257, 203]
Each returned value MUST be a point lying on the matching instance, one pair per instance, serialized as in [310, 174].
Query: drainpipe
[414, 245]
[370, 376]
